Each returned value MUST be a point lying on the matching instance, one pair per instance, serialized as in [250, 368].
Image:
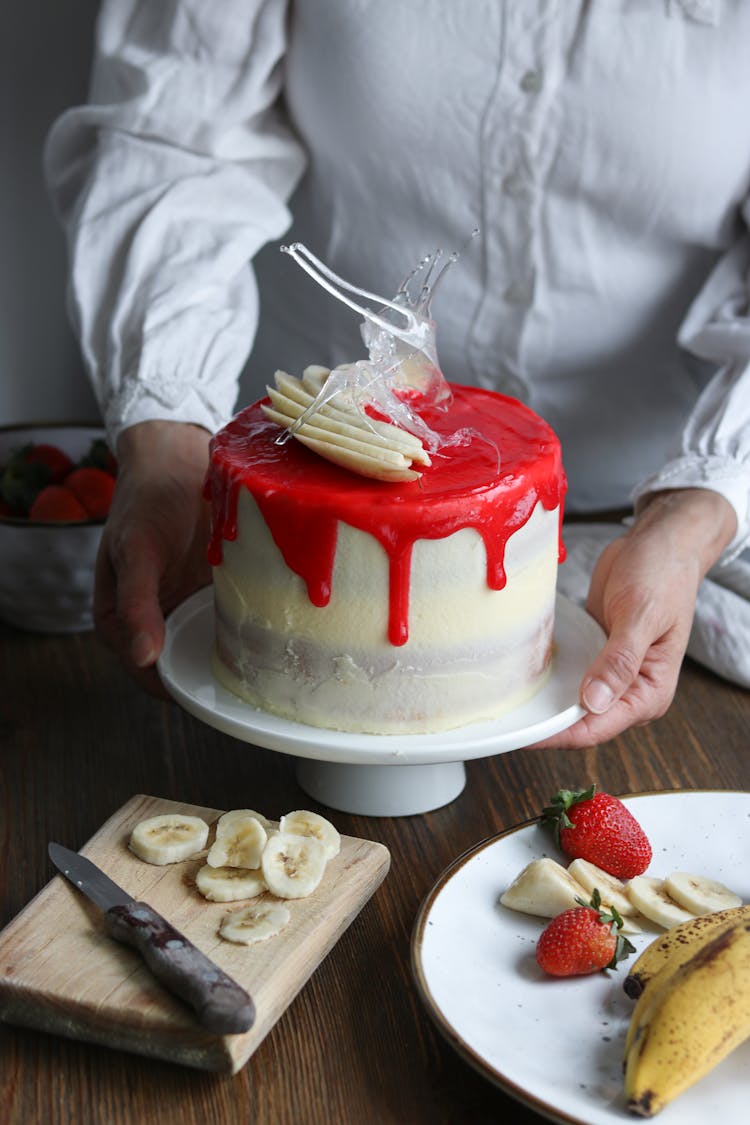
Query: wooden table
[356, 1047]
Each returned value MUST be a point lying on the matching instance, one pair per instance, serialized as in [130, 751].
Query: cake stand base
[381, 790]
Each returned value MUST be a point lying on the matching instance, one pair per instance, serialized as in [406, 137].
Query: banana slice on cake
[239, 843]
[229, 884]
[301, 822]
[168, 838]
[650, 896]
[255, 923]
[293, 866]
[698, 894]
[345, 435]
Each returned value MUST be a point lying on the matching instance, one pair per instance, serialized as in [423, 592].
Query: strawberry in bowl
[56, 485]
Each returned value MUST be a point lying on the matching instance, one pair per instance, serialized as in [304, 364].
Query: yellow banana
[694, 1018]
[664, 957]
[675, 946]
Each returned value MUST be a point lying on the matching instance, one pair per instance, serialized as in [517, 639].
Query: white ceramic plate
[557, 1045]
[185, 668]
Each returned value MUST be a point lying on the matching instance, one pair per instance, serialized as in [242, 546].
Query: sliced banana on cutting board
[255, 923]
[239, 843]
[229, 884]
[304, 823]
[250, 857]
[344, 434]
[227, 819]
[168, 838]
[293, 865]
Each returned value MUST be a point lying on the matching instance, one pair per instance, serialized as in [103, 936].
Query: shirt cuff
[724, 475]
[139, 403]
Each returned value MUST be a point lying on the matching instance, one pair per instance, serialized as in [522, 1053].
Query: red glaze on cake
[490, 482]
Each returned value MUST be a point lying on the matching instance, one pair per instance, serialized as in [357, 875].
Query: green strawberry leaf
[556, 813]
[611, 917]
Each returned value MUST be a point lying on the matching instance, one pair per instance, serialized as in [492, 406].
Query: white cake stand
[372, 774]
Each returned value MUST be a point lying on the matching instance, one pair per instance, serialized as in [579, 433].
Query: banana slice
[293, 865]
[698, 894]
[229, 884]
[239, 844]
[612, 890]
[649, 895]
[304, 823]
[227, 819]
[543, 888]
[255, 923]
[168, 838]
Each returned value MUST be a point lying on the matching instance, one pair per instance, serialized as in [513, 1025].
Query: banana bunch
[341, 432]
[692, 1009]
[249, 857]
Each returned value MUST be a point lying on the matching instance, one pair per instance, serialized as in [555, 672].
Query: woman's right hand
[153, 549]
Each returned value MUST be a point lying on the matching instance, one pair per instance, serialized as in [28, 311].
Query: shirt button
[531, 82]
[518, 294]
[514, 184]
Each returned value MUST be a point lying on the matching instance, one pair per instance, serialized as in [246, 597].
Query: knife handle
[220, 1004]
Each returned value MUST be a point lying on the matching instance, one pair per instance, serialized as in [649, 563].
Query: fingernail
[142, 650]
[597, 697]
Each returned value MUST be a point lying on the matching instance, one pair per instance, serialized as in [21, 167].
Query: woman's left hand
[643, 593]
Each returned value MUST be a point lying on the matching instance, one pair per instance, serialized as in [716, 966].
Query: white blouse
[603, 149]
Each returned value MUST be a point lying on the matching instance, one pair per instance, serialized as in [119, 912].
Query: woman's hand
[153, 549]
[643, 592]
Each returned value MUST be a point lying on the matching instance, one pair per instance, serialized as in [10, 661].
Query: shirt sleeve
[168, 183]
[714, 448]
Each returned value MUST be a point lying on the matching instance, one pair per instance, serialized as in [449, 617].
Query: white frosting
[472, 652]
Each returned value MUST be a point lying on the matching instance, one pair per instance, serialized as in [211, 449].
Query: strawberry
[29, 469]
[94, 488]
[58, 463]
[21, 481]
[599, 828]
[582, 940]
[57, 504]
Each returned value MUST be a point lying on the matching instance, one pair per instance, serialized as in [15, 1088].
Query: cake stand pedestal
[372, 774]
[381, 790]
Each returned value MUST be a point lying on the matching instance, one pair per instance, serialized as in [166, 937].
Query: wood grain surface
[63, 974]
[355, 1047]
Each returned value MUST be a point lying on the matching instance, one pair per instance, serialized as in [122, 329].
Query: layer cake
[353, 604]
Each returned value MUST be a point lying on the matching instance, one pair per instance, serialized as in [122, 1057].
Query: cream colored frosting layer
[473, 653]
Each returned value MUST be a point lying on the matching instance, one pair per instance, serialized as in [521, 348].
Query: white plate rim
[449, 1032]
[187, 676]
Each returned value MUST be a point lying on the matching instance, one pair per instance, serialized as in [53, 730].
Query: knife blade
[219, 1002]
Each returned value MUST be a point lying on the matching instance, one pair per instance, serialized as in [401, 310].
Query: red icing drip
[303, 497]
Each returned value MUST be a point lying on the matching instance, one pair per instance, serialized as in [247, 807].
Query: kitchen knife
[220, 1004]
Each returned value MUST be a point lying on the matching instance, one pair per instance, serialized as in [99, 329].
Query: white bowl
[47, 570]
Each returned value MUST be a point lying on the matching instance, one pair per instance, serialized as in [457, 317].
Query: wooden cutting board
[61, 973]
